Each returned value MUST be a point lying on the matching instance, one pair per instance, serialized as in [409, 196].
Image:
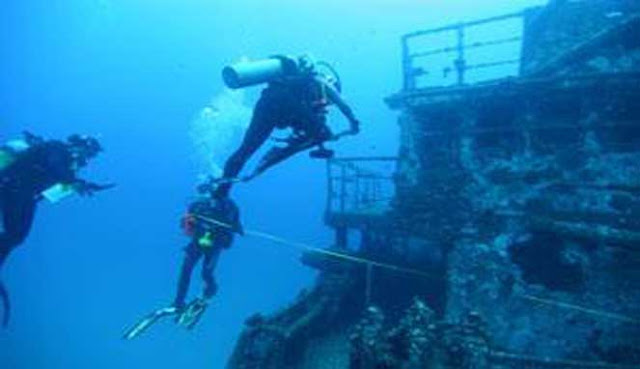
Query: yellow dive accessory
[205, 241]
[9, 152]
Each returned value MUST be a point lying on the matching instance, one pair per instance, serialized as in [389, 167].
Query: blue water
[137, 73]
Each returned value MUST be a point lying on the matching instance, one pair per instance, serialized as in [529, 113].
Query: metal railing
[360, 185]
[459, 49]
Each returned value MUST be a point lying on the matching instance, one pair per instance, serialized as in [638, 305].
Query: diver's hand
[89, 189]
[355, 127]
[338, 136]
[239, 229]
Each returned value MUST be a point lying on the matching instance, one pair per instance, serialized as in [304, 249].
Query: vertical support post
[330, 194]
[460, 63]
[356, 190]
[343, 188]
[342, 237]
[368, 285]
[407, 67]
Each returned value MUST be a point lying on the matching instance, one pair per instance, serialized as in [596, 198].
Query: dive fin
[6, 304]
[149, 320]
[322, 153]
[192, 314]
[279, 154]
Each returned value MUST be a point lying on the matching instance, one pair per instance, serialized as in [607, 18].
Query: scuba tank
[9, 152]
[251, 73]
[6, 158]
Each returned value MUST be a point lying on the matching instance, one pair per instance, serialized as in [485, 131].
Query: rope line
[371, 263]
[318, 250]
[565, 305]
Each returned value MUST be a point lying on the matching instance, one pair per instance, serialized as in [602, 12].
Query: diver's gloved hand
[355, 127]
[85, 188]
[238, 228]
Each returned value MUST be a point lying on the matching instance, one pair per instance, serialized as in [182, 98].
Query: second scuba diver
[211, 223]
[297, 97]
[33, 169]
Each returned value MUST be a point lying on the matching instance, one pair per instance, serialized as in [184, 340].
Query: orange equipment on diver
[188, 224]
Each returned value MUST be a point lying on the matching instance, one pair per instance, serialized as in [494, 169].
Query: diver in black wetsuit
[208, 239]
[297, 100]
[30, 170]
[210, 222]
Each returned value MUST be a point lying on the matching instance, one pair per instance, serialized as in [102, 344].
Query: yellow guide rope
[565, 305]
[318, 250]
[396, 268]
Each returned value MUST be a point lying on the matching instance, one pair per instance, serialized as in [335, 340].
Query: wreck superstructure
[506, 233]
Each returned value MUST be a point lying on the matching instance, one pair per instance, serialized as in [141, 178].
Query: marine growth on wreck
[506, 232]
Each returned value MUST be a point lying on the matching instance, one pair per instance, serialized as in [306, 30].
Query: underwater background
[145, 77]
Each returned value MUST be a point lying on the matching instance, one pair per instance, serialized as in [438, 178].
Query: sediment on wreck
[517, 199]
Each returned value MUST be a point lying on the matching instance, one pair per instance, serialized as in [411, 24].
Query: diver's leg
[259, 130]
[208, 267]
[17, 218]
[314, 132]
[4, 253]
[4, 245]
[191, 257]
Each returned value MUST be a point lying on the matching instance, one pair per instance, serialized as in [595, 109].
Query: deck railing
[455, 52]
[360, 185]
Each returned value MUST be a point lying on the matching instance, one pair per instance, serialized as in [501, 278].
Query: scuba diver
[297, 97]
[32, 169]
[211, 223]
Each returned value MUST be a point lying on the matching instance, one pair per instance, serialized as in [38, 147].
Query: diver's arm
[64, 189]
[86, 188]
[345, 109]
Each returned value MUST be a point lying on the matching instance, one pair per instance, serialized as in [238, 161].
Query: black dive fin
[149, 320]
[279, 154]
[6, 304]
[322, 153]
[192, 314]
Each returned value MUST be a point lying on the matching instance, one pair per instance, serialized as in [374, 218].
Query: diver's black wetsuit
[38, 168]
[220, 237]
[21, 184]
[297, 102]
[41, 166]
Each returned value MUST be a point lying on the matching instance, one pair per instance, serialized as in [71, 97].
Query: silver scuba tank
[250, 73]
[10, 151]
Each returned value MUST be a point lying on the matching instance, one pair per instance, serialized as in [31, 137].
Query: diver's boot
[179, 310]
[321, 153]
[192, 314]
